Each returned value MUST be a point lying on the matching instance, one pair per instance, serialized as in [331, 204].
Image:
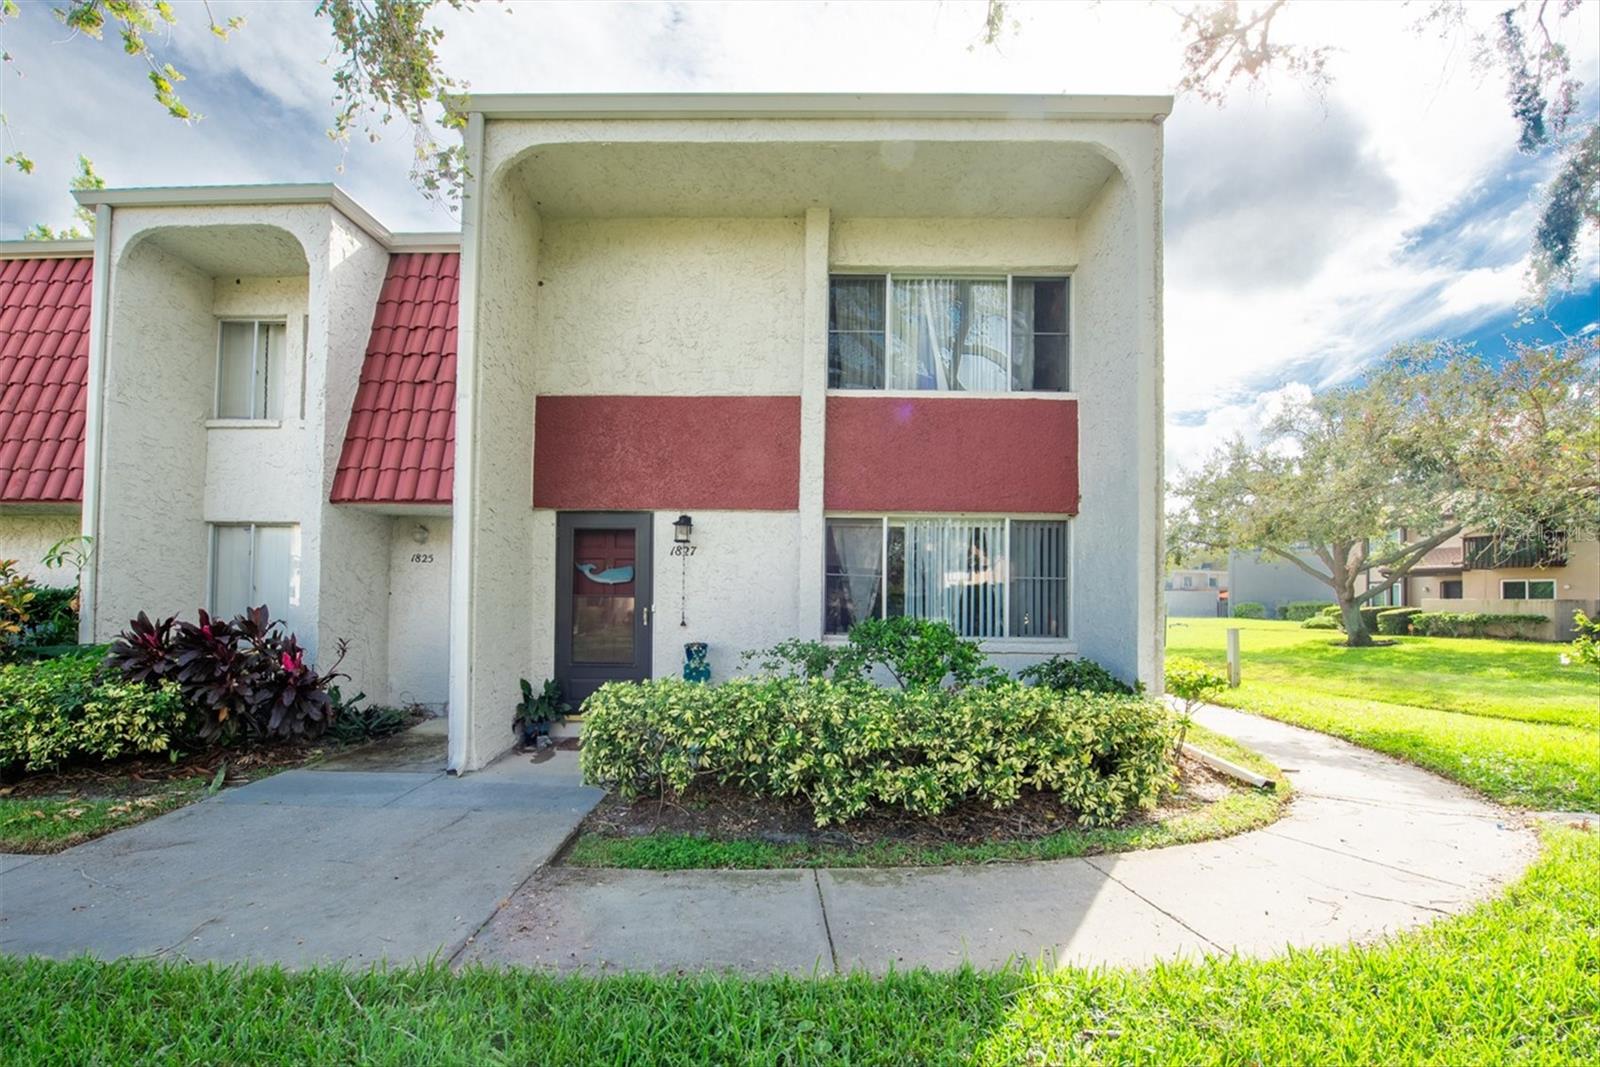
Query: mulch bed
[140, 775]
[727, 814]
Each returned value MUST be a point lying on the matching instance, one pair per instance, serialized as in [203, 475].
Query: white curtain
[956, 571]
[948, 333]
[855, 571]
[230, 570]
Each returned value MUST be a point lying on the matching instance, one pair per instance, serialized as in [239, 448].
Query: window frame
[1527, 588]
[255, 351]
[1008, 641]
[1010, 277]
[211, 562]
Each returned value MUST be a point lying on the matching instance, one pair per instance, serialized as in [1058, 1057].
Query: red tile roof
[44, 367]
[400, 447]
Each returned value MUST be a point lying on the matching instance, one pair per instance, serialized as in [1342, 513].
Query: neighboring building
[44, 360]
[1197, 592]
[1477, 572]
[879, 355]
[1260, 578]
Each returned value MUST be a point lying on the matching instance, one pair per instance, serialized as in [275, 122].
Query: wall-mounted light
[681, 529]
[420, 534]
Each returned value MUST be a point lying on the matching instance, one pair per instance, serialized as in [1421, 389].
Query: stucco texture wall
[670, 306]
[151, 545]
[1116, 590]
[419, 611]
[499, 593]
[26, 535]
[350, 566]
[736, 592]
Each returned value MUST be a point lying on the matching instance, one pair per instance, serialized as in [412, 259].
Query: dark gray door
[603, 600]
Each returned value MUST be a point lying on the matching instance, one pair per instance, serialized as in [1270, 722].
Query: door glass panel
[603, 596]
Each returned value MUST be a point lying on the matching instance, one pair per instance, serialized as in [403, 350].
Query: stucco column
[813, 424]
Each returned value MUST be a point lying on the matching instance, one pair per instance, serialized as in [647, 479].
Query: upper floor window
[987, 577]
[250, 355]
[948, 333]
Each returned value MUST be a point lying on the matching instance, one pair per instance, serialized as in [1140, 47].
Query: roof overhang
[267, 195]
[1099, 108]
[45, 249]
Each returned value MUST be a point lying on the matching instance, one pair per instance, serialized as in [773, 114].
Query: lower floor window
[986, 577]
[1518, 589]
[254, 564]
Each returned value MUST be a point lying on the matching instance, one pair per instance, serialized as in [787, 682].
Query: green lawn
[1513, 982]
[1246, 809]
[50, 824]
[1505, 717]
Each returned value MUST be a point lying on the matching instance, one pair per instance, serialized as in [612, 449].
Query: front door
[603, 600]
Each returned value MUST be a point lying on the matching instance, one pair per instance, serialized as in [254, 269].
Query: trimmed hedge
[1475, 624]
[1320, 622]
[1249, 609]
[52, 711]
[1396, 620]
[847, 748]
[1301, 610]
[1369, 617]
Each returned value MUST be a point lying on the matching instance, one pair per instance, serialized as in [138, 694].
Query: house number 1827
[683, 550]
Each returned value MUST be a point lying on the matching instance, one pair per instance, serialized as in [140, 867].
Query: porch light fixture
[681, 528]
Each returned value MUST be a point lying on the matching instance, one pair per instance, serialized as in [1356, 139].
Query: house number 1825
[422, 557]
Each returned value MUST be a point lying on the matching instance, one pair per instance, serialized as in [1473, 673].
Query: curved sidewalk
[1369, 845]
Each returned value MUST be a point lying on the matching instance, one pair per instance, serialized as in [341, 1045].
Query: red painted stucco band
[644, 453]
[946, 453]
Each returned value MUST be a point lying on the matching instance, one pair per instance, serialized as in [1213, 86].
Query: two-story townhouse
[719, 369]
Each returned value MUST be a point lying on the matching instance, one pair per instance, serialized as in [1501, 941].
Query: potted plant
[536, 713]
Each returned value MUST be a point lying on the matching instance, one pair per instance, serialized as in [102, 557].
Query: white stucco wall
[26, 534]
[151, 545]
[349, 547]
[496, 598]
[953, 244]
[1116, 590]
[419, 611]
[669, 306]
[736, 592]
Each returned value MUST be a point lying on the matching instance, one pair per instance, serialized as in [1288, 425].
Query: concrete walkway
[1370, 845]
[379, 855]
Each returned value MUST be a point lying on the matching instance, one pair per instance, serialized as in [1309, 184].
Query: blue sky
[1306, 232]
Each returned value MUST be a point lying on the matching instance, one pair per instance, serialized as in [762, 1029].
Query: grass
[50, 824]
[1513, 982]
[1246, 809]
[1503, 717]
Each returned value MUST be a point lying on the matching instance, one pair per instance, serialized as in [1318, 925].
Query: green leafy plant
[1320, 622]
[52, 711]
[1475, 624]
[17, 593]
[1586, 646]
[1075, 674]
[536, 713]
[847, 748]
[355, 721]
[1396, 620]
[916, 653]
[1192, 683]
[247, 675]
[1300, 610]
[1249, 609]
